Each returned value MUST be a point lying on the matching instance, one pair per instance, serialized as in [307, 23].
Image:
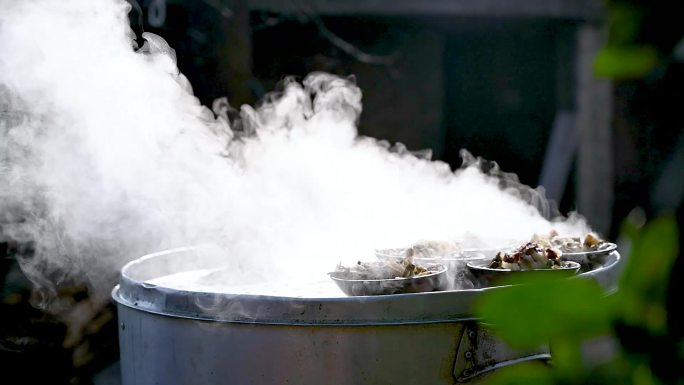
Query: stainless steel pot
[180, 337]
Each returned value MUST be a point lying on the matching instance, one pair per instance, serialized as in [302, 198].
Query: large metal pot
[181, 337]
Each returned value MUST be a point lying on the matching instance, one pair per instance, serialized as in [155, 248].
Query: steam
[107, 155]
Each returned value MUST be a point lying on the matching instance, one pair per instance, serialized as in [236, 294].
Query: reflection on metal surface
[480, 352]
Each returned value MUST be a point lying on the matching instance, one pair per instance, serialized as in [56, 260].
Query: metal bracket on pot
[480, 352]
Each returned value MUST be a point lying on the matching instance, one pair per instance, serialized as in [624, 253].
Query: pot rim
[409, 308]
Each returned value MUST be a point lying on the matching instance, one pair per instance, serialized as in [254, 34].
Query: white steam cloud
[107, 155]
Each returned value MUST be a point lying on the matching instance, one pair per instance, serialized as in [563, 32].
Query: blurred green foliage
[632, 61]
[569, 313]
[536, 311]
[643, 284]
[642, 36]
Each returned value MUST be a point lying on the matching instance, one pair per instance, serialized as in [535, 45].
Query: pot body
[158, 349]
[170, 336]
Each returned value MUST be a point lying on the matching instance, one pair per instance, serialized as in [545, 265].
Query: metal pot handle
[480, 352]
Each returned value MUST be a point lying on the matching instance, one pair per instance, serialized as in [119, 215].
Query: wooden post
[234, 56]
[561, 148]
[595, 178]
[560, 151]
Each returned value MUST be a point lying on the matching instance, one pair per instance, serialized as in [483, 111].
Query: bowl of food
[390, 277]
[484, 248]
[589, 250]
[530, 258]
[455, 255]
[463, 248]
[423, 251]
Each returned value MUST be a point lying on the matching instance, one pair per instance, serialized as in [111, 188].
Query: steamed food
[530, 256]
[430, 249]
[548, 251]
[587, 243]
[387, 269]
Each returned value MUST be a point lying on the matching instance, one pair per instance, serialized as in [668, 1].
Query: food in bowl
[431, 249]
[460, 249]
[590, 242]
[390, 277]
[529, 256]
[590, 251]
[386, 269]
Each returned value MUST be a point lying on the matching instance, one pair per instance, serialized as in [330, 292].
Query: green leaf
[643, 284]
[534, 313]
[625, 62]
[642, 375]
[522, 374]
[567, 356]
[632, 224]
[625, 21]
